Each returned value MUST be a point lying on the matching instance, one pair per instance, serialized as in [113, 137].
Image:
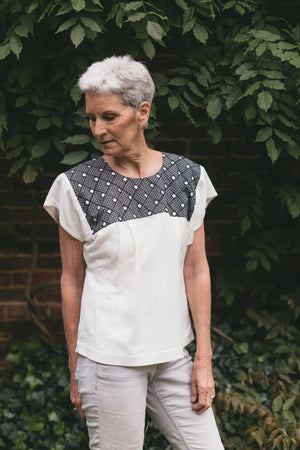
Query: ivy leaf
[173, 102]
[264, 134]
[4, 51]
[77, 35]
[149, 48]
[91, 24]
[200, 33]
[74, 157]
[78, 139]
[264, 100]
[15, 45]
[78, 5]
[29, 175]
[154, 30]
[273, 152]
[214, 107]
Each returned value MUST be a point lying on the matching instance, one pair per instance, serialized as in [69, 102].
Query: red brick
[49, 295]
[17, 311]
[14, 262]
[11, 295]
[5, 279]
[19, 278]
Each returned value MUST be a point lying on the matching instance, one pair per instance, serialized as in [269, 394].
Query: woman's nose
[99, 128]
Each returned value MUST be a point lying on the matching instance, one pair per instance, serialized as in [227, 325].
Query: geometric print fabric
[106, 196]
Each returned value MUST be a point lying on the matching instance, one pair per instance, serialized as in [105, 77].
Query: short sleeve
[205, 193]
[62, 205]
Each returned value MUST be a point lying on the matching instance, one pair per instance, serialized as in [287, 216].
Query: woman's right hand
[75, 397]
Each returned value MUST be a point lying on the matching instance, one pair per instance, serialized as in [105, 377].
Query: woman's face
[117, 128]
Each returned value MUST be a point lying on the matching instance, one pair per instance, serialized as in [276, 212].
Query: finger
[194, 392]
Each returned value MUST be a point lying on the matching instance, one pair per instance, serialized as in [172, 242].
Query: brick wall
[225, 164]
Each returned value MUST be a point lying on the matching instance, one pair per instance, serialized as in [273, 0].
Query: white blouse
[135, 234]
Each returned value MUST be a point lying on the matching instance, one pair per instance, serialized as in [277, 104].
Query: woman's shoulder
[174, 158]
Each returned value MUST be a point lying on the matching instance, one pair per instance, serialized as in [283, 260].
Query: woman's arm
[72, 280]
[197, 284]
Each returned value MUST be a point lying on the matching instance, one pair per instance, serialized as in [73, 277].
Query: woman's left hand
[202, 384]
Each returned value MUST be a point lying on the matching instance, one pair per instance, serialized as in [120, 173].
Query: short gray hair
[119, 75]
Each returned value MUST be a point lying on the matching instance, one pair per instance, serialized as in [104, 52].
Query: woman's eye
[110, 117]
[92, 119]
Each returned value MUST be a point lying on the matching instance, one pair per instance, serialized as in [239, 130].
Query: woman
[133, 264]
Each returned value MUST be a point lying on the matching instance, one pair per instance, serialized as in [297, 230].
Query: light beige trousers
[115, 399]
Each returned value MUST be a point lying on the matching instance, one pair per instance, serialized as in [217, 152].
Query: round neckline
[114, 172]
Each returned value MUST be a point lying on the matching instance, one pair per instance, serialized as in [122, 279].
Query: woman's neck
[138, 164]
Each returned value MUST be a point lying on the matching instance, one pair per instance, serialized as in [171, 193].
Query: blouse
[135, 234]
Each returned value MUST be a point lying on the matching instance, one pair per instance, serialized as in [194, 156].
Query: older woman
[133, 264]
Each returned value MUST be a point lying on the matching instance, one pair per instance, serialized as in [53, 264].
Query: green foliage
[257, 404]
[36, 412]
[232, 61]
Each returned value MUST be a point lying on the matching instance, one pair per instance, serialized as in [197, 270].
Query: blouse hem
[129, 360]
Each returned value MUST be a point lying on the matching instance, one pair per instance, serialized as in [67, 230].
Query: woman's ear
[143, 113]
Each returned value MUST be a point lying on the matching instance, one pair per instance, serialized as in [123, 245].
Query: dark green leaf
[78, 139]
[182, 4]
[246, 224]
[78, 5]
[136, 17]
[77, 35]
[200, 33]
[91, 24]
[42, 147]
[17, 166]
[155, 30]
[264, 134]
[66, 25]
[260, 49]
[15, 45]
[214, 107]
[277, 403]
[265, 35]
[177, 81]
[173, 102]
[29, 176]
[74, 157]
[4, 51]
[43, 123]
[274, 84]
[132, 6]
[149, 48]
[273, 152]
[264, 100]
[215, 132]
